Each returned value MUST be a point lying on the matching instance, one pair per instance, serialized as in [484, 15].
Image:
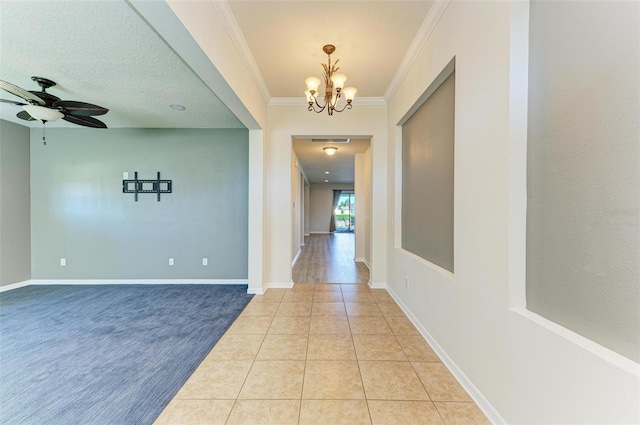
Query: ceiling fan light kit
[332, 80]
[45, 107]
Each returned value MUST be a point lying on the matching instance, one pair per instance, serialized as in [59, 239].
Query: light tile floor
[322, 354]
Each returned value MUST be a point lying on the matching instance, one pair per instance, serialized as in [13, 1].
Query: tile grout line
[235, 402]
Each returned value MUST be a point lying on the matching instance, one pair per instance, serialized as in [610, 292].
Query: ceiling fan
[46, 107]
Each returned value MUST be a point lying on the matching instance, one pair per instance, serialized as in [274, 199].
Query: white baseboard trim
[378, 285]
[14, 285]
[296, 257]
[255, 291]
[138, 281]
[280, 285]
[306, 234]
[362, 260]
[484, 405]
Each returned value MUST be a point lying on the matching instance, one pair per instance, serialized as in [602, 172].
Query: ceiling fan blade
[79, 109]
[12, 101]
[86, 121]
[24, 115]
[13, 89]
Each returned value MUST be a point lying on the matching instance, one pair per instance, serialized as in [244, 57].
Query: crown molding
[230, 23]
[429, 23]
[302, 101]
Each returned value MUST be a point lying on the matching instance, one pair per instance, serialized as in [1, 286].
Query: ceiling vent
[332, 141]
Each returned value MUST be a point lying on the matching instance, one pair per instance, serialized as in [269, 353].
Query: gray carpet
[110, 354]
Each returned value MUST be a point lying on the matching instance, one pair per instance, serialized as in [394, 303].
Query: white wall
[525, 368]
[297, 210]
[288, 121]
[307, 211]
[363, 206]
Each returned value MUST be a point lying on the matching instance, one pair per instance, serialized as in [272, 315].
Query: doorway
[337, 208]
[345, 213]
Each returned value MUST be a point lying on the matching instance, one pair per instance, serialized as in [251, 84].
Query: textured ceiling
[103, 52]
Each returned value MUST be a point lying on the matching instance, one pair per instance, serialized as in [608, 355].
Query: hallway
[321, 354]
[329, 258]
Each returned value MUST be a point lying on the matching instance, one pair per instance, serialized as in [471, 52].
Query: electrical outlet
[171, 261]
[63, 262]
[205, 261]
[406, 282]
[125, 175]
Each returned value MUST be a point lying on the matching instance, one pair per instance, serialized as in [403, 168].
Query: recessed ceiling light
[177, 107]
[326, 181]
[326, 172]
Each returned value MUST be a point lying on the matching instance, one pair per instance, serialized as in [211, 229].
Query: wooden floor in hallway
[329, 258]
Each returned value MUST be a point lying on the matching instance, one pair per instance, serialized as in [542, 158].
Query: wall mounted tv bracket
[136, 186]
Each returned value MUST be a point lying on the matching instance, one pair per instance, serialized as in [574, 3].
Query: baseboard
[319, 233]
[14, 285]
[255, 291]
[296, 257]
[279, 285]
[377, 285]
[362, 260]
[484, 405]
[138, 281]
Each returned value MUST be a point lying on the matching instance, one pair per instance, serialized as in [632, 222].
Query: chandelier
[331, 81]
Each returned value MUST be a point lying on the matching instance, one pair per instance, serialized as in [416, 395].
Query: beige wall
[362, 188]
[507, 357]
[288, 121]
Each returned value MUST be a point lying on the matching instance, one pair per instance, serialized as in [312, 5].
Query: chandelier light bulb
[312, 84]
[349, 93]
[310, 98]
[338, 81]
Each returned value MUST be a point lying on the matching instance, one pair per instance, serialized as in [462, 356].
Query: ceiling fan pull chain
[44, 133]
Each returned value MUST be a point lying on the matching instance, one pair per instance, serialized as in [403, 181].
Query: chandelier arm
[313, 108]
[347, 106]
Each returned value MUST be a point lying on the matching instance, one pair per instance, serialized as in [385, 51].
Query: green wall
[15, 240]
[78, 210]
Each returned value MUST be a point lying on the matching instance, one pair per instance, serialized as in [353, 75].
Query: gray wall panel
[15, 226]
[427, 178]
[583, 233]
[80, 213]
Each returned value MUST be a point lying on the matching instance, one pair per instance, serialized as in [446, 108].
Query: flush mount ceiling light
[43, 113]
[331, 81]
[330, 150]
